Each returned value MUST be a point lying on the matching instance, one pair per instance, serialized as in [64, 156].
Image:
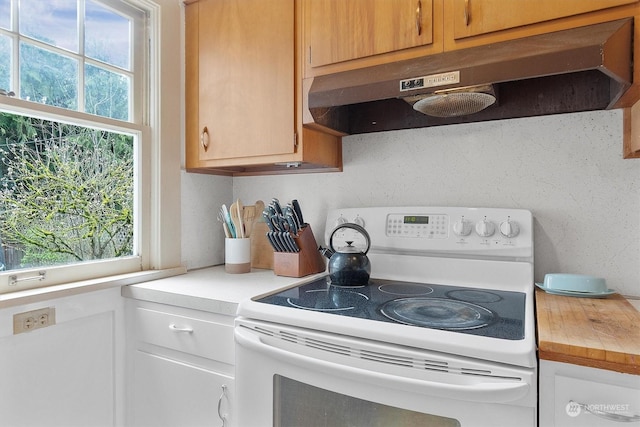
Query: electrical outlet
[35, 319]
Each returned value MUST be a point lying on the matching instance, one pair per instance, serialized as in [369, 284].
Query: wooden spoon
[248, 218]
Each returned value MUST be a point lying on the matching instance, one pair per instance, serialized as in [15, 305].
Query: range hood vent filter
[455, 103]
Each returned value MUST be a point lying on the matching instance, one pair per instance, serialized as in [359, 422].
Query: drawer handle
[222, 416]
[176, 328]
[607, 415]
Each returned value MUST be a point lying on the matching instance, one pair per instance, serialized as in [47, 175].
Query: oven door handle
[489, 392]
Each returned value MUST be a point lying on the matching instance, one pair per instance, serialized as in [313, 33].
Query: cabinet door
[350, 29]
[171, 393]
[475, 17]
[570, 394]
[245, 77]
[70, 373]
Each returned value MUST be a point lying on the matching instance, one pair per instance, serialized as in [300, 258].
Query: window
[74, 124]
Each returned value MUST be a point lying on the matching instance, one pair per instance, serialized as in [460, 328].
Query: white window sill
[57, 291]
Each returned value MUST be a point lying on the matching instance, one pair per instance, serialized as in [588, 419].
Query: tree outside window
[66, 193]
[69, 170]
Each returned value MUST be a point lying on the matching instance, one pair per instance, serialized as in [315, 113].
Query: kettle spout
[325, 251]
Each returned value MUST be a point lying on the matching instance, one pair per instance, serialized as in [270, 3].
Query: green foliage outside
[49, 78]
[66, 192]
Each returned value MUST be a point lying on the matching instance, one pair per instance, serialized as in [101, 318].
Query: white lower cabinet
[180, 367]
[573, 395]
[70, 373]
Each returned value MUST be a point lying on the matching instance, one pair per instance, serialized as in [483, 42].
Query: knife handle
[298, 211]
[291, 220]
[291, 243]
[267, 219]
[271, 236]
[276, 206]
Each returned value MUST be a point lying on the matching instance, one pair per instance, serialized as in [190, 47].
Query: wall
[202, 235]
[567, 169]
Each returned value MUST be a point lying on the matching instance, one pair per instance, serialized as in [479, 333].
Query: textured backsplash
[567, 169]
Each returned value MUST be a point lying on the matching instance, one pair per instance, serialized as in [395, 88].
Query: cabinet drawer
[186, 334]
[580, 388]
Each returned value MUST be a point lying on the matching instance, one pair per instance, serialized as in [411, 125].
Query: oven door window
[299, 404]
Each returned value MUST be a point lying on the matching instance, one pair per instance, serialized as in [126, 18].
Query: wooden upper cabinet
[344, 30]
[343, 35]
[243, 96]
[245, 77]
[476, 17]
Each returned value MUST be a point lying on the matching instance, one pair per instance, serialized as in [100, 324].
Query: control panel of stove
[475, 231]
[431, 226]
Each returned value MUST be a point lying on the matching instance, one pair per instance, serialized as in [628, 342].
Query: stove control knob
[340, 220]
[462, 227]
[509, 228]
[358, 220]
[485, 228]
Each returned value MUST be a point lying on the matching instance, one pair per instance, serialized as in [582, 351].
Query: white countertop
[210, 289]
[213, 290]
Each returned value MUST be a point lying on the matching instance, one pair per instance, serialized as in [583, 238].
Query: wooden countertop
[595, 332]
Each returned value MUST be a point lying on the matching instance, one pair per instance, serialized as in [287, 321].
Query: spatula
[248, 218]
[240, 215]
[236, 219]
[227, 216]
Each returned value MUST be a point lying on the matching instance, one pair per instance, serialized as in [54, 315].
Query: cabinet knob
[204, 138]
[419, 18]
[467, 12]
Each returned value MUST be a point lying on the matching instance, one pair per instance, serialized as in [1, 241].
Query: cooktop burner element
[437, 313]
[412, 289]
[491, 313]
[474, 295]
[329, 299]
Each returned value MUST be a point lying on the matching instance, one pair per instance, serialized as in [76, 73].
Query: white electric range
[443, 330]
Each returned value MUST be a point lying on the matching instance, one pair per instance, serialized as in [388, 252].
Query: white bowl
[575, 283]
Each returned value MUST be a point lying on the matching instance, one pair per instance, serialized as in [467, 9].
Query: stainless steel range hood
[582, 69]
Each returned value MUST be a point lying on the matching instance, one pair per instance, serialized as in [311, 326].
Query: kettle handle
[354, 226]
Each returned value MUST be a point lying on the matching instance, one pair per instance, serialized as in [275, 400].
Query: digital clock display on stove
[416, 219]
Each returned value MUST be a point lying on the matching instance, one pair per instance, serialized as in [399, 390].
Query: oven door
[288, 376]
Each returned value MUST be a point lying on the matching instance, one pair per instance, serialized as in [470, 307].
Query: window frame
[140, 42]
[157, 194]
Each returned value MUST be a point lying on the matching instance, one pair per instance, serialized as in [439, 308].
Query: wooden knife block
[299, 264]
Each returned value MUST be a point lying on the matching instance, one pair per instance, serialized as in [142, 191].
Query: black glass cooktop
[491, 313]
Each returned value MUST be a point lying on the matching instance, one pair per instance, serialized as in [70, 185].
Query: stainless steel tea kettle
[348, 265]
